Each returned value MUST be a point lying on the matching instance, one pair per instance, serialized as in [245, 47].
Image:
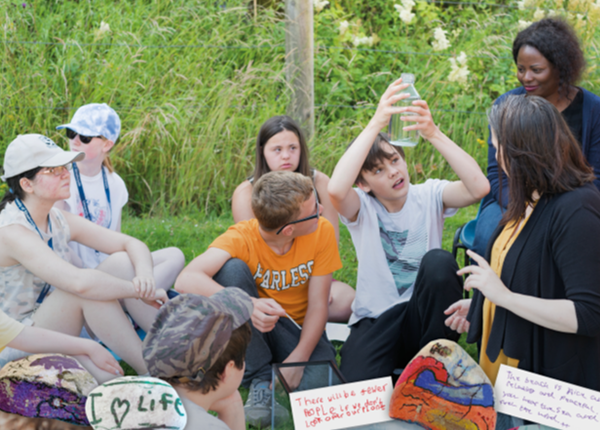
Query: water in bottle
[398, 136]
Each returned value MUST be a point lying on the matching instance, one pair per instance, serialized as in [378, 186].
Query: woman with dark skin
[549, 62]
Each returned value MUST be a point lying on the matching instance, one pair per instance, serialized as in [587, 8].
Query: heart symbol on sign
[119, 404]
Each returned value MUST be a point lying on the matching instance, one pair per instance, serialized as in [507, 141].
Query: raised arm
[241, 206]
[329, 212]
[344, 199]
[473, 185]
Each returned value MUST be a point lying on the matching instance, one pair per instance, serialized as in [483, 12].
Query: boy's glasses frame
[56, 171]
[84, 139]
[316, 215]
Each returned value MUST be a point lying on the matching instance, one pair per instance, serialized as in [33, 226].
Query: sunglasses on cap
[84, 139]
[316, 215]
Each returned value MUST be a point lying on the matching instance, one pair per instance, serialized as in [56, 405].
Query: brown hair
[270, 128]
[376, 155]
[277, 197]
[14, 189]
[537, 150]
[235, 351]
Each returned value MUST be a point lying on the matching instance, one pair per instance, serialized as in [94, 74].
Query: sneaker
[258, 406]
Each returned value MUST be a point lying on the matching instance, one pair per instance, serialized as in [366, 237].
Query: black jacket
[556, 256]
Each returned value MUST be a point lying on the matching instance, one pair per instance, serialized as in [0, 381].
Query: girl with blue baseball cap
[99, 194]
[39, 285]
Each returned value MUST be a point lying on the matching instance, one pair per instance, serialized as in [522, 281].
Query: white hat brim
[79, 129]
[63, 158]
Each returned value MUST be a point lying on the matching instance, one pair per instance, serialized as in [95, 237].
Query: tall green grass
[190, 114]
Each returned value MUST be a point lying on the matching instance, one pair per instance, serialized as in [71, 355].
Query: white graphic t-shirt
[101, 213]
[390, 246]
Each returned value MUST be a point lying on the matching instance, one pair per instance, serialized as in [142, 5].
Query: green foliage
[191, 105]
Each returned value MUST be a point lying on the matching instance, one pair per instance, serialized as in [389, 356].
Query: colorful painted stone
[135, 402]
[443, 388]
[46, 386]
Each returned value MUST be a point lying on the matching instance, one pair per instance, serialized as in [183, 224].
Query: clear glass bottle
[398, 136]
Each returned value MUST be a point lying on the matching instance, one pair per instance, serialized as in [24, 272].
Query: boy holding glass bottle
[405, 282]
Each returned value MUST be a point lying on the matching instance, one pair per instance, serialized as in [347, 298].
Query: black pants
[276, 345]
[377, 346]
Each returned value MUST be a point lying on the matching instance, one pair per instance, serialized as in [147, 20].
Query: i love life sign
[343, 406]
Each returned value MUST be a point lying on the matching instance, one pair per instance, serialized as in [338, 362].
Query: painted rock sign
[46, 386]
[444, 388]
[135, 402]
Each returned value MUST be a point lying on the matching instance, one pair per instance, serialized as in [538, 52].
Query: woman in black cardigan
[546, 250]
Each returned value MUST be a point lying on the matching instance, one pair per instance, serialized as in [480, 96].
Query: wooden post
[299, 59]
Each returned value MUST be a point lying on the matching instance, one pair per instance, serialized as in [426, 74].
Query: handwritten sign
[546, 401]
[343, 406]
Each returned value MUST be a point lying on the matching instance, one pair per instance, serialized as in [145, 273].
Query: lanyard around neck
[23, 208]
[84, 205]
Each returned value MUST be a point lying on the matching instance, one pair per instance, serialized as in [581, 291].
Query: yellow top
[499, 250]
[9, 329]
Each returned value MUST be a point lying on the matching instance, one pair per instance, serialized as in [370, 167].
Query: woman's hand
[422, 117]
[484, 279]
[144, 286]
[386, 107]
[103, 359]
[457, 320]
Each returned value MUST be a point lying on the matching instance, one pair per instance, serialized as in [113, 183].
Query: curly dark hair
[557, 42]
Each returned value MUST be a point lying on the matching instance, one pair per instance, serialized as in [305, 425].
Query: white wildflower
[405, 10]
[440, 43]
[551, 13]
[525, 4]
[539, 14]
[320, 4]
[104, 28]
[459, 70]
[522, 25]
[344, 25]
[406, 16]
[364, 40]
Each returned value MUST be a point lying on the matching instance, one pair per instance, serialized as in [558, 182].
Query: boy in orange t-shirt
[284, 260]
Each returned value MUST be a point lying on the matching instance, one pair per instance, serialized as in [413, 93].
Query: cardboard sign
[546, 401]
[343, 406]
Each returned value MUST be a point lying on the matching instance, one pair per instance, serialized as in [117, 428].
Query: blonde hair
[107, 161]
[277, 197]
